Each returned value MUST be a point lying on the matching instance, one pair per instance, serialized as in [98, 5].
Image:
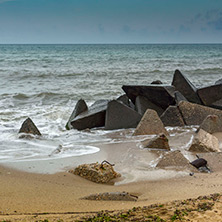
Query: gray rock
[210, 94]
[175, 159]
[179, 97]
[211, 124]
[93, 117]
[28, 127]
[120, 116]
[194, 114]
[114, 196]
[204, 142]
[185, 87]
[158, 142]
[219, 81]
[79, 108]
[98, 173]
[172, 117]
[160, 95]
[150, 124]
[142, 104]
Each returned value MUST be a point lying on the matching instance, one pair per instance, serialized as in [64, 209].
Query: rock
[210, 94]
[200, 162]
[211, 124]
[204, 142]
[217, 104]
[156, 82]
[185, 87]
[194, 114]
[142, 104]
[179, 97]
[120, 116]
[172, 117]
[93, 117]
[28, 127]
[162, 96]
[79, 108]
[176, 160]
[219, 81]
[124, 99]
[150, 124]
[114, 196]
[158, 142]
[98, 173]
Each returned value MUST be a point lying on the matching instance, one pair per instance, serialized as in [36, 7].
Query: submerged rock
[98, 173]
[204, 142]
[160, 95]
[158, 142]
[172, 117]
[28, 127]
[150, 124]
[79, 108]
[185, 87]
[211, 124]
[119, 116]
[156, 82]
[194, 114]
[114, 196]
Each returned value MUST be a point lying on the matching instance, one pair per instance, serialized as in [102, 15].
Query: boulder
[124, 99]
[119, 116]
[210, 94]
[204, 142]
[211, 124]
[150, 124]
[93, 117]
[158, 142]
[175, 159]
[142, 104]
[172, 117]
[114, 196]
[160, 95]
[179, 97]
[219, 81]
[98, 173]
[194, 114]
[157, 82]
[185, 87]
[79, 108]
[28, 127]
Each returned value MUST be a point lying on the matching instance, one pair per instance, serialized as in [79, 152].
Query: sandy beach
[28, 196]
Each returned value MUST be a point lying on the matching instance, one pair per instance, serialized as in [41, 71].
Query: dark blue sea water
[45, 81]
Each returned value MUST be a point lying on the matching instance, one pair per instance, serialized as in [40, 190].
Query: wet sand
[33, 196]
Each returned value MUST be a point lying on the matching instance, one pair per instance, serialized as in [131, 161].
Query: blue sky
[110, 21]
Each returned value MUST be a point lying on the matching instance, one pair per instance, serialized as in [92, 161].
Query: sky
[110, 21]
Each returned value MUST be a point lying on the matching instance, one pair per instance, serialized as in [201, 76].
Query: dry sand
[35, 197]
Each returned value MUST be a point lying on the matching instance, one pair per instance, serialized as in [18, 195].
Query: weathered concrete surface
[161, 95]
[204, 142]
[93, 117]
[185, 87]
[194, 114]
[98, 173]
[28, 127]
[142, 104]
[124, 99]
[179, 97]
[80, 107]
[158, 142]
[119, 116]
[217, 104]
[211, 124]
[150, 124]
[210, 94]
[113, 196]
[172, 117]
[175, 159]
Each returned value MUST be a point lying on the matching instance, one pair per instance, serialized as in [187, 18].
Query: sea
[44, 82]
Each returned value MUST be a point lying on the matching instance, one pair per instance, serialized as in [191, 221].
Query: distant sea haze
[45, 81]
